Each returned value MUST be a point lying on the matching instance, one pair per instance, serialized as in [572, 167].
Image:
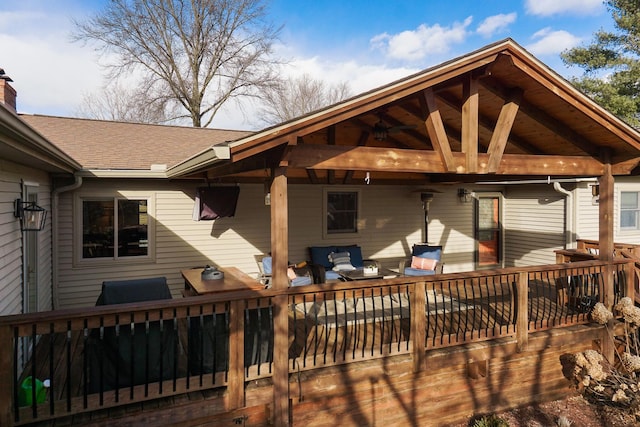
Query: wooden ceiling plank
[470, 122]
[503, 129]
[426, 161]
[436, 131]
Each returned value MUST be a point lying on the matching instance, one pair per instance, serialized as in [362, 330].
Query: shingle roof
[98, 144]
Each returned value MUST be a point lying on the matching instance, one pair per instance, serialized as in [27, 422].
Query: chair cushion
[355, 252]
[267, 265]
[341, 261]
[301, 281]
[426, 251]
[320, 255]
[418, 272]
[332, 275]
[423, 263]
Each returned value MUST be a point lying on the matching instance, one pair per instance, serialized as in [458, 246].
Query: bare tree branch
[295, 97]
[199, 53]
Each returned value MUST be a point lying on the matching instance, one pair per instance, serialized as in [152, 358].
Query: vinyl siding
[11, 176]
[534, 225]
[390, 222]
[587, 214]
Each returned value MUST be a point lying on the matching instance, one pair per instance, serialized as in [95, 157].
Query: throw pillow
[423, 263]
[341, 261]
[291, 274]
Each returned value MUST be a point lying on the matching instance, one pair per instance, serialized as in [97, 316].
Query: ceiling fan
[382, 130]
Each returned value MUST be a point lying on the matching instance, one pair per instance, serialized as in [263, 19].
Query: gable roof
[493, 113]
[108, 145]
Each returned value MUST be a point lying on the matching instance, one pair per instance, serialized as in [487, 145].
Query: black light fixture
[464, 195]
[380, 131]
[32, 217]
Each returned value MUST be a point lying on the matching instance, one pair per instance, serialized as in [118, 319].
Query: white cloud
[425, 40]
[496, 24]
[551, 42]
[360, 77]
[50, 72]
[571, 7]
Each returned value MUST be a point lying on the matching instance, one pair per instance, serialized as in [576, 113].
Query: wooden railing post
[6, 375]
[418, 325]
[630, 284]
[235, 383]
[522, 321]
[281, 360]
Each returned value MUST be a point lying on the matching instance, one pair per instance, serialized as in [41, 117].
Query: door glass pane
[487, 213]
[488, 231]
[97, 228]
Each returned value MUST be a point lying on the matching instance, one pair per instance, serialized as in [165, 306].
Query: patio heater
[426, 199]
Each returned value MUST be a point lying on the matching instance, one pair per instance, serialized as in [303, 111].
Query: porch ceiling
[494, 114]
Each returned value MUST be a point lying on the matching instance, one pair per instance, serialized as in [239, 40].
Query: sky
[364, 43]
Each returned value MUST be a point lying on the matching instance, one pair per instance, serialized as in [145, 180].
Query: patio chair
[113, 351]
[425, 260]
[298, 276]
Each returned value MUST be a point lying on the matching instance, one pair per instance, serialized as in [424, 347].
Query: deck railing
[221, 341]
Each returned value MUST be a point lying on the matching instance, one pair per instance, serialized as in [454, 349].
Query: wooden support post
[280, 281]
[418, 300]
[6, 375]
[606, 245]
[522, 321]
[235, 383]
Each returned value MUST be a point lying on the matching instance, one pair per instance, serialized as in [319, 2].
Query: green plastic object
[26, 392]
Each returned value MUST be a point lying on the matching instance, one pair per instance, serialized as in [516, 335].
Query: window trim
[325, 199]
[637, 210]
[80, 261]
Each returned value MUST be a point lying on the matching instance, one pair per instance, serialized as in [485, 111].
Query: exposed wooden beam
[470, 121]
[313, 178]
[331, 140]
[489, 124]
[435, 130]
[503, 128]
[427, 161]
[557, 127]
[362, 141]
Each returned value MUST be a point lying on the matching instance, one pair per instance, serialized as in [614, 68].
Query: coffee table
[359, 274]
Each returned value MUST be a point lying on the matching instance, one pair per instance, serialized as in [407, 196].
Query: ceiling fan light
[379, 131]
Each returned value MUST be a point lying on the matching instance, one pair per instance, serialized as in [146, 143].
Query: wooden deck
[329, 328]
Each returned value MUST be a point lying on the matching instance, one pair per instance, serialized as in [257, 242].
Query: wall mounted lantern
[595, 194]
[464, 195]
[32, 217]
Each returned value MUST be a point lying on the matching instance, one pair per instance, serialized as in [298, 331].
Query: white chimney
[7, 92]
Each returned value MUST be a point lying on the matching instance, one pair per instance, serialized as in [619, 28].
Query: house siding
[390, 222]
[11, 294]
[587, 214]
[534, 224]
